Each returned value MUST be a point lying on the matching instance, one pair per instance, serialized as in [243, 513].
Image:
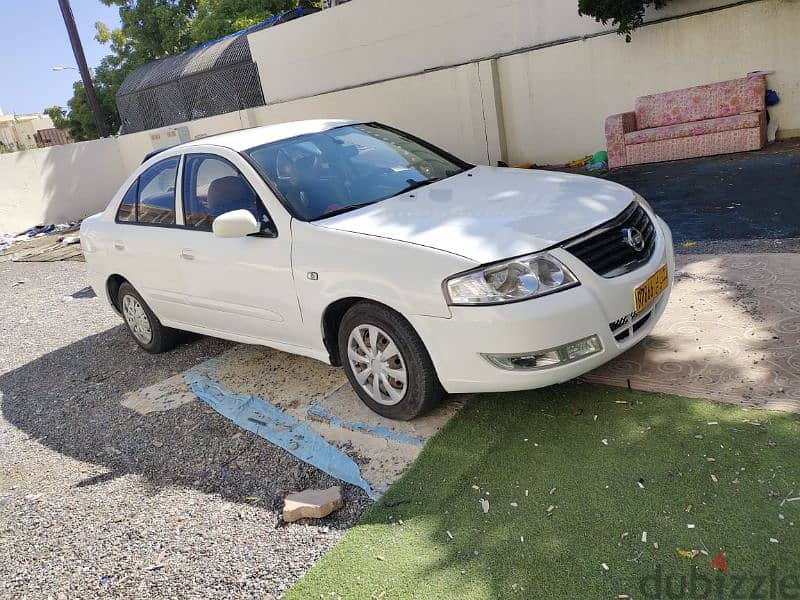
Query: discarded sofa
[717, 118]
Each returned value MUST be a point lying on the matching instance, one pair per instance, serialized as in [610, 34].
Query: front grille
[605, 250]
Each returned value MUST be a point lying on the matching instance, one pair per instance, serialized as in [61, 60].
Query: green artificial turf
[536, 441]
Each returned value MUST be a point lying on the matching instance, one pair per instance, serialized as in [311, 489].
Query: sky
[34, 39]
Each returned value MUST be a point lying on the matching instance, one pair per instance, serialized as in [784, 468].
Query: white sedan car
[362, 246]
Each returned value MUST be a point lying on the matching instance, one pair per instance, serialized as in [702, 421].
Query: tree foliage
[58, 116]
[625, 15]
[153, 29]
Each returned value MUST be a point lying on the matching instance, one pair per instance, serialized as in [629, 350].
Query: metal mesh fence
[215, 78]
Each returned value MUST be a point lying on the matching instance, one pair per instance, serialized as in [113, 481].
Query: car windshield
[323, 174]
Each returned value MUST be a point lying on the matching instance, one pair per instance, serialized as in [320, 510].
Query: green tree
[58, 116]
[216, 18]
[625, 15]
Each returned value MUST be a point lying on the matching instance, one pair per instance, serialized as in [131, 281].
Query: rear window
[151, 198]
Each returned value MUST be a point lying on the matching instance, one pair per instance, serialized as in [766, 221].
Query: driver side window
[213, 186]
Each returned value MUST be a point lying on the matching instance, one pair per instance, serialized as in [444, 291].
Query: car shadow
[69, 401]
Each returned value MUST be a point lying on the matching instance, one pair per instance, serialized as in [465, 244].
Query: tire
[407, 400]
[160, 338]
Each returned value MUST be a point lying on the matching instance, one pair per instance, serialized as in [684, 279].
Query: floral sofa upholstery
[717, 118]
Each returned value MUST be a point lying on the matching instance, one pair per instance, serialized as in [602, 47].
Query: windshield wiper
[413, 184]
[342, 210]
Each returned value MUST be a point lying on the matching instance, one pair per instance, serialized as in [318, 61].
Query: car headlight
[517, 279]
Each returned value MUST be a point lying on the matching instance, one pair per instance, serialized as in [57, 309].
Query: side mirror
[235, 224]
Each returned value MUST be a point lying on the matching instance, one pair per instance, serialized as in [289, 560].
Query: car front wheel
[387, 363]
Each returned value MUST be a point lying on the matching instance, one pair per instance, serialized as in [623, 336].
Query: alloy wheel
[377, 364]
[137, 319]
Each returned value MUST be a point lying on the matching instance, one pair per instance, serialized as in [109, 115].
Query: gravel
[98, 500]
[734, 246]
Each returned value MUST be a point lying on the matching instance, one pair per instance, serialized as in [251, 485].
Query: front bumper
[456, 345]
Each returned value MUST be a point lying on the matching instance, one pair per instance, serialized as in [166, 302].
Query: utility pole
[77, 49]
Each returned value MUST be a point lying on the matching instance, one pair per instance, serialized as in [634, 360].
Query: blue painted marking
[255, 414]
[379, 430]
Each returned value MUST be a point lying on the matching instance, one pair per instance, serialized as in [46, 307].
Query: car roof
[250, 138]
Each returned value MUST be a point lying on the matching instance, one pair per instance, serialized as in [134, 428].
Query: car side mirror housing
[235, 224]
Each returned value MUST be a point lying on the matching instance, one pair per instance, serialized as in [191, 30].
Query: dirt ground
[98, 499]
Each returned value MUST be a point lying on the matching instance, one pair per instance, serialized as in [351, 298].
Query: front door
[236, 287]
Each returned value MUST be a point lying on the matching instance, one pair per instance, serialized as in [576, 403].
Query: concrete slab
[308, 394]
[731, 333]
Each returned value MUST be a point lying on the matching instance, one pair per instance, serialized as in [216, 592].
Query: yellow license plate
[644, 294]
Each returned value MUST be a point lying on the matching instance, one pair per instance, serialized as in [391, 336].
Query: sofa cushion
[702, 102]
[671, 132]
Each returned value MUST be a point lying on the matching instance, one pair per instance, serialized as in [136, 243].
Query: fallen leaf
[577, 412]
[719, 562]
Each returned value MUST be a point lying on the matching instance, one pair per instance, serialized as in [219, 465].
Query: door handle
[187, 254]
[119, 245]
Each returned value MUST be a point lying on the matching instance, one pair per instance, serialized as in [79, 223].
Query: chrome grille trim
[604, 249]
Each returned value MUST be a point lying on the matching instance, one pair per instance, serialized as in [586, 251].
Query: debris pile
[42, 243]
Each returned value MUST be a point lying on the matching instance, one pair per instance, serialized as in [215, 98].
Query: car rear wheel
[144, 326]
[387, 363]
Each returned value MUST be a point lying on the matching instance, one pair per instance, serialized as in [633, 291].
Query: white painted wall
[57, 184]
[443, 107]
[370, 40]
[555, 100]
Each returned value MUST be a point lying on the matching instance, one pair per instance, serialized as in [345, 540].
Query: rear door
[236, 287]
[146, 246]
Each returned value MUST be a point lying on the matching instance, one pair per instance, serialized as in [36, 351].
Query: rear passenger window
[157, 193]
[151, 198]
[213, 186]
[127, 210]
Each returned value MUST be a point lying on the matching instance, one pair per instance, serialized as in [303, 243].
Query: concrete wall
[445, 107]
[371, 40]
[555, 99]
[58, 184]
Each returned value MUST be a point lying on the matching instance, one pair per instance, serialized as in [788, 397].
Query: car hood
[490, 213]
